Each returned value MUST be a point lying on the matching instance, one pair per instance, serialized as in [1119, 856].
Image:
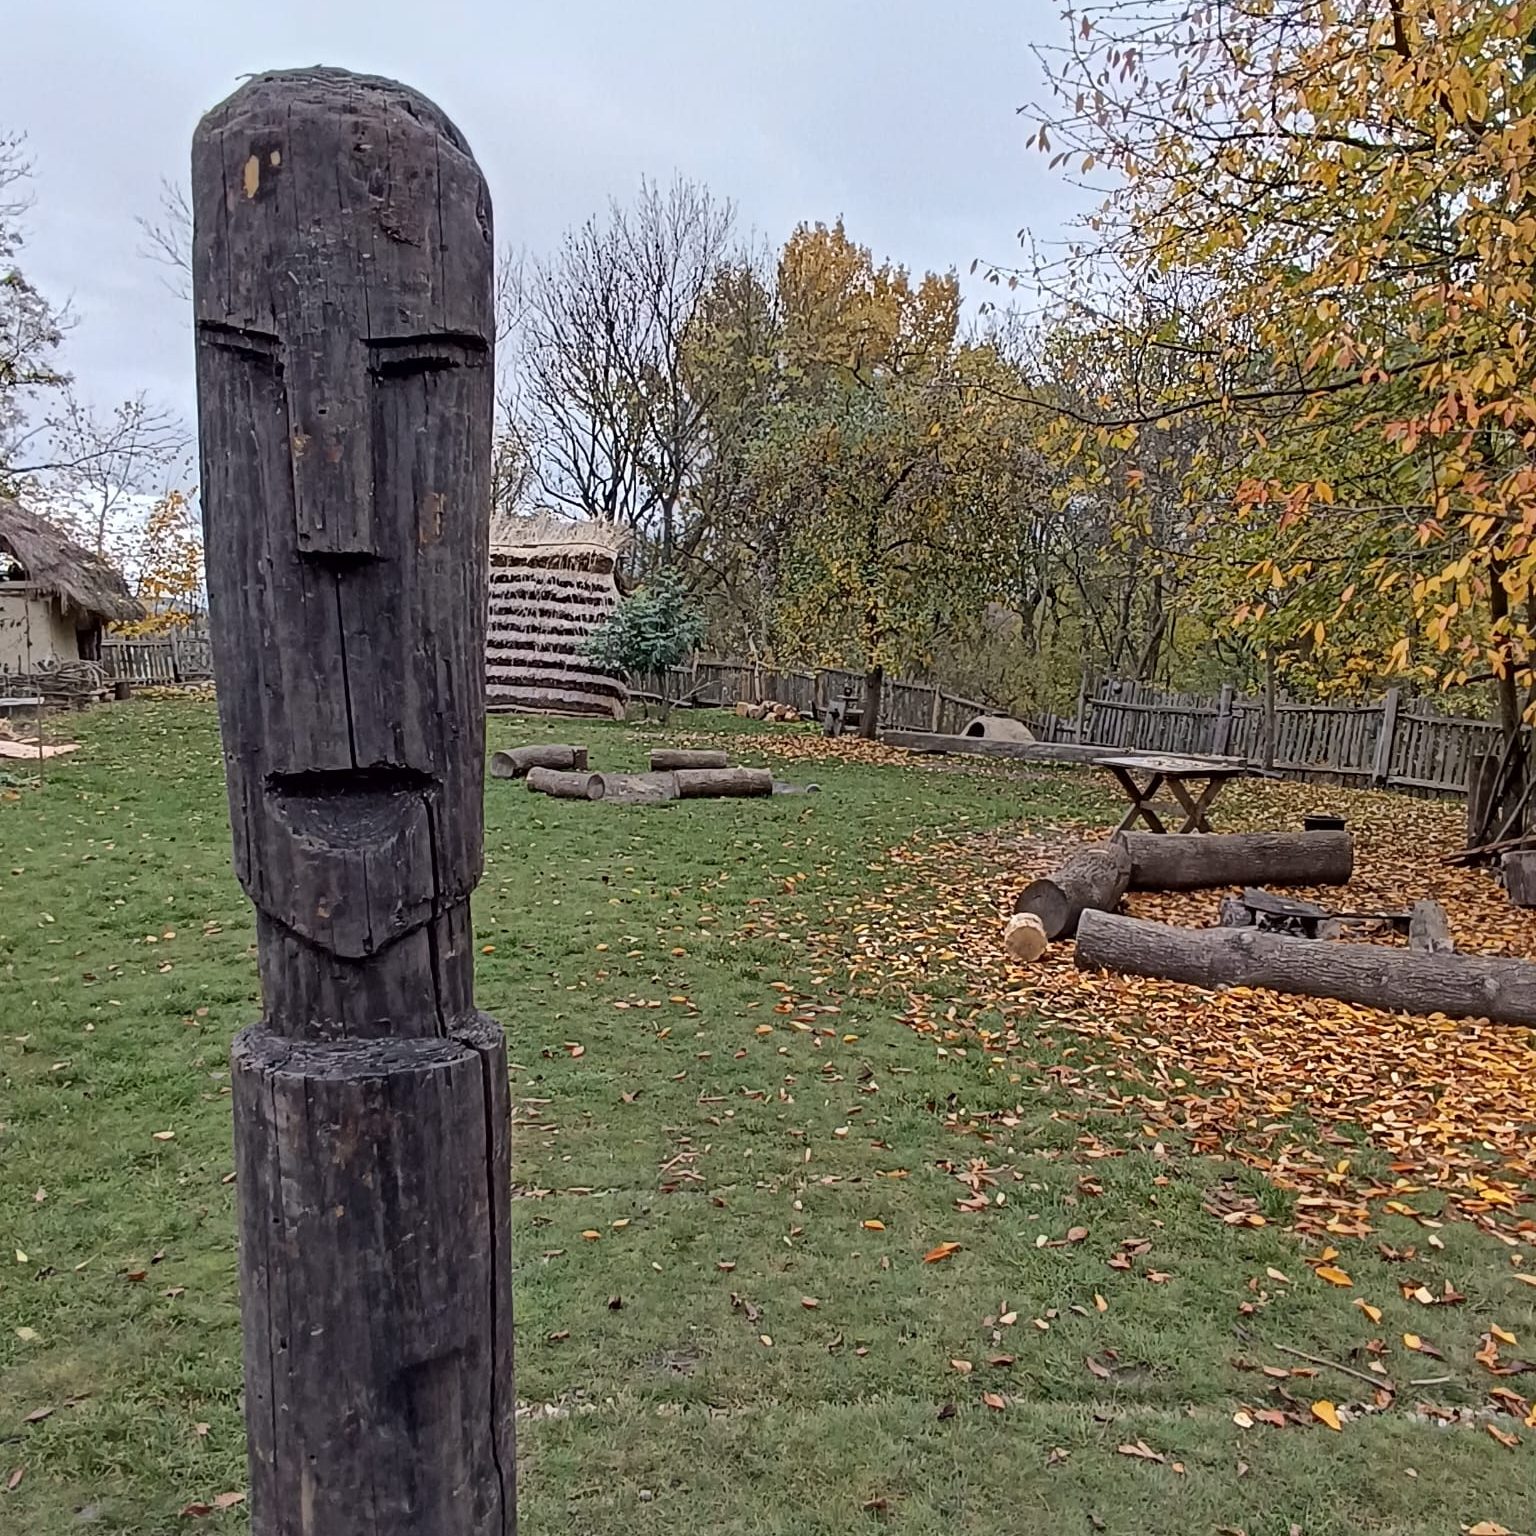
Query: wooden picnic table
[1143, 777]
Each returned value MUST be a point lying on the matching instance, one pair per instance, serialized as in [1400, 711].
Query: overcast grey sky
[899, 115]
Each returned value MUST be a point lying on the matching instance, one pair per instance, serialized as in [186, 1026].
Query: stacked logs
[775, 714]
[674, 774]
[1428, 977]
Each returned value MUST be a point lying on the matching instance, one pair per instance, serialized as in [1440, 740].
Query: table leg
[1195, 819]
[1141, 801]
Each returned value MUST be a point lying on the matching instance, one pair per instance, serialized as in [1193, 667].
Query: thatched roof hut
[553, 582]
[85, 585]
[55, 596]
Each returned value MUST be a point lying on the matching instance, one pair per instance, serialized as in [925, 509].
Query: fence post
[175, 657]
[1222, 740]
[1269, 712]
[1082, 707]
[1381, 767]
[935, 710]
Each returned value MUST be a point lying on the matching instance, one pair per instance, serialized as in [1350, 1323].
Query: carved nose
[329, 444]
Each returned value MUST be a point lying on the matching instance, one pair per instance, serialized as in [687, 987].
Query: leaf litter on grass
[1235, 1071]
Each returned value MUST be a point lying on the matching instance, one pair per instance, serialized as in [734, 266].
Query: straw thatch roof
[83, 583]
[552, 582]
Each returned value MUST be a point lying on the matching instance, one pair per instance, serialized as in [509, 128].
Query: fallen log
[638, 788]
[565, 786]
[1024, 938]
[988, 746]
[1093, 877]
[1195, 860]
[1369, 975]
[696, 783]
[516, 763]
[666, 759]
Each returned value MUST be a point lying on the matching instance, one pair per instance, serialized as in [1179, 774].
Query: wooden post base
[376, 1283]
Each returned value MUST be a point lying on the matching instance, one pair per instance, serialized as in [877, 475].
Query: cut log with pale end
[565, 786]
[1429, 929]
[1095, 876]
[666, 759]
[1195, 860]
[698, 783]
[1368, 975]
[638, 788]
[1519, 866]
[990, 746]
[1024, 938]
[514, 764]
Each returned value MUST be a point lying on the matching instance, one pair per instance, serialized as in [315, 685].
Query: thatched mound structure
[552, 583]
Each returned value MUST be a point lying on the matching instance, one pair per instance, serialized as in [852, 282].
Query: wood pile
[773, 713]
[1264, 940]
[562, 773]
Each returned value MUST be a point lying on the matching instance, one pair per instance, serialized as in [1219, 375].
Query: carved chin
[359, 872]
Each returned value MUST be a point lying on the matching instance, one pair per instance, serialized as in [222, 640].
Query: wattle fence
[1396, 742]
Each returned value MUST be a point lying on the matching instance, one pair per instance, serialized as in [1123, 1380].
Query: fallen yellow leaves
[1332, 1275]
[1324, 1412]
[947, 1250]
[1234, 1071]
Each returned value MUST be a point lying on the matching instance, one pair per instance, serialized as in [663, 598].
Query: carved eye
[242, 340]
[401, 356]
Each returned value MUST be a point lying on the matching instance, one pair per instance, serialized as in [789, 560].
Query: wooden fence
[1396, 742]
[904, 706]
[178, 656]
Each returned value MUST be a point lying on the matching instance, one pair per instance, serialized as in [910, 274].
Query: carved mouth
[342, 806]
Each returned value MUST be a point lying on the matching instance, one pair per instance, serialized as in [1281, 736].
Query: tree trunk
[1202, 859]
[874, 687]
[697, 783]
[1369, 975]
[516, 763]
[1094, 877]
[565, 786]
[1483, 774]
[665, 759]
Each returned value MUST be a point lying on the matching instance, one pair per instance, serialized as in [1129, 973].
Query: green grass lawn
[729, 1167]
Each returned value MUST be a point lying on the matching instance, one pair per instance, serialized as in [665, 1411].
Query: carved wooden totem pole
[342, 283]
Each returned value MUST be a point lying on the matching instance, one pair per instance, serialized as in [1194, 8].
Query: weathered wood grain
[1206, 859]
[516, 762]
[1371, 975]
[665, 759]
[342, 285]
[1095, 876]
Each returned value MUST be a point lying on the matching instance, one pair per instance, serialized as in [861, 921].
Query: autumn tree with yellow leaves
[1350, 183]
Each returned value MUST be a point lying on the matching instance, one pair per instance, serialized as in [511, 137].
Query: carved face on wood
[342, 279]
